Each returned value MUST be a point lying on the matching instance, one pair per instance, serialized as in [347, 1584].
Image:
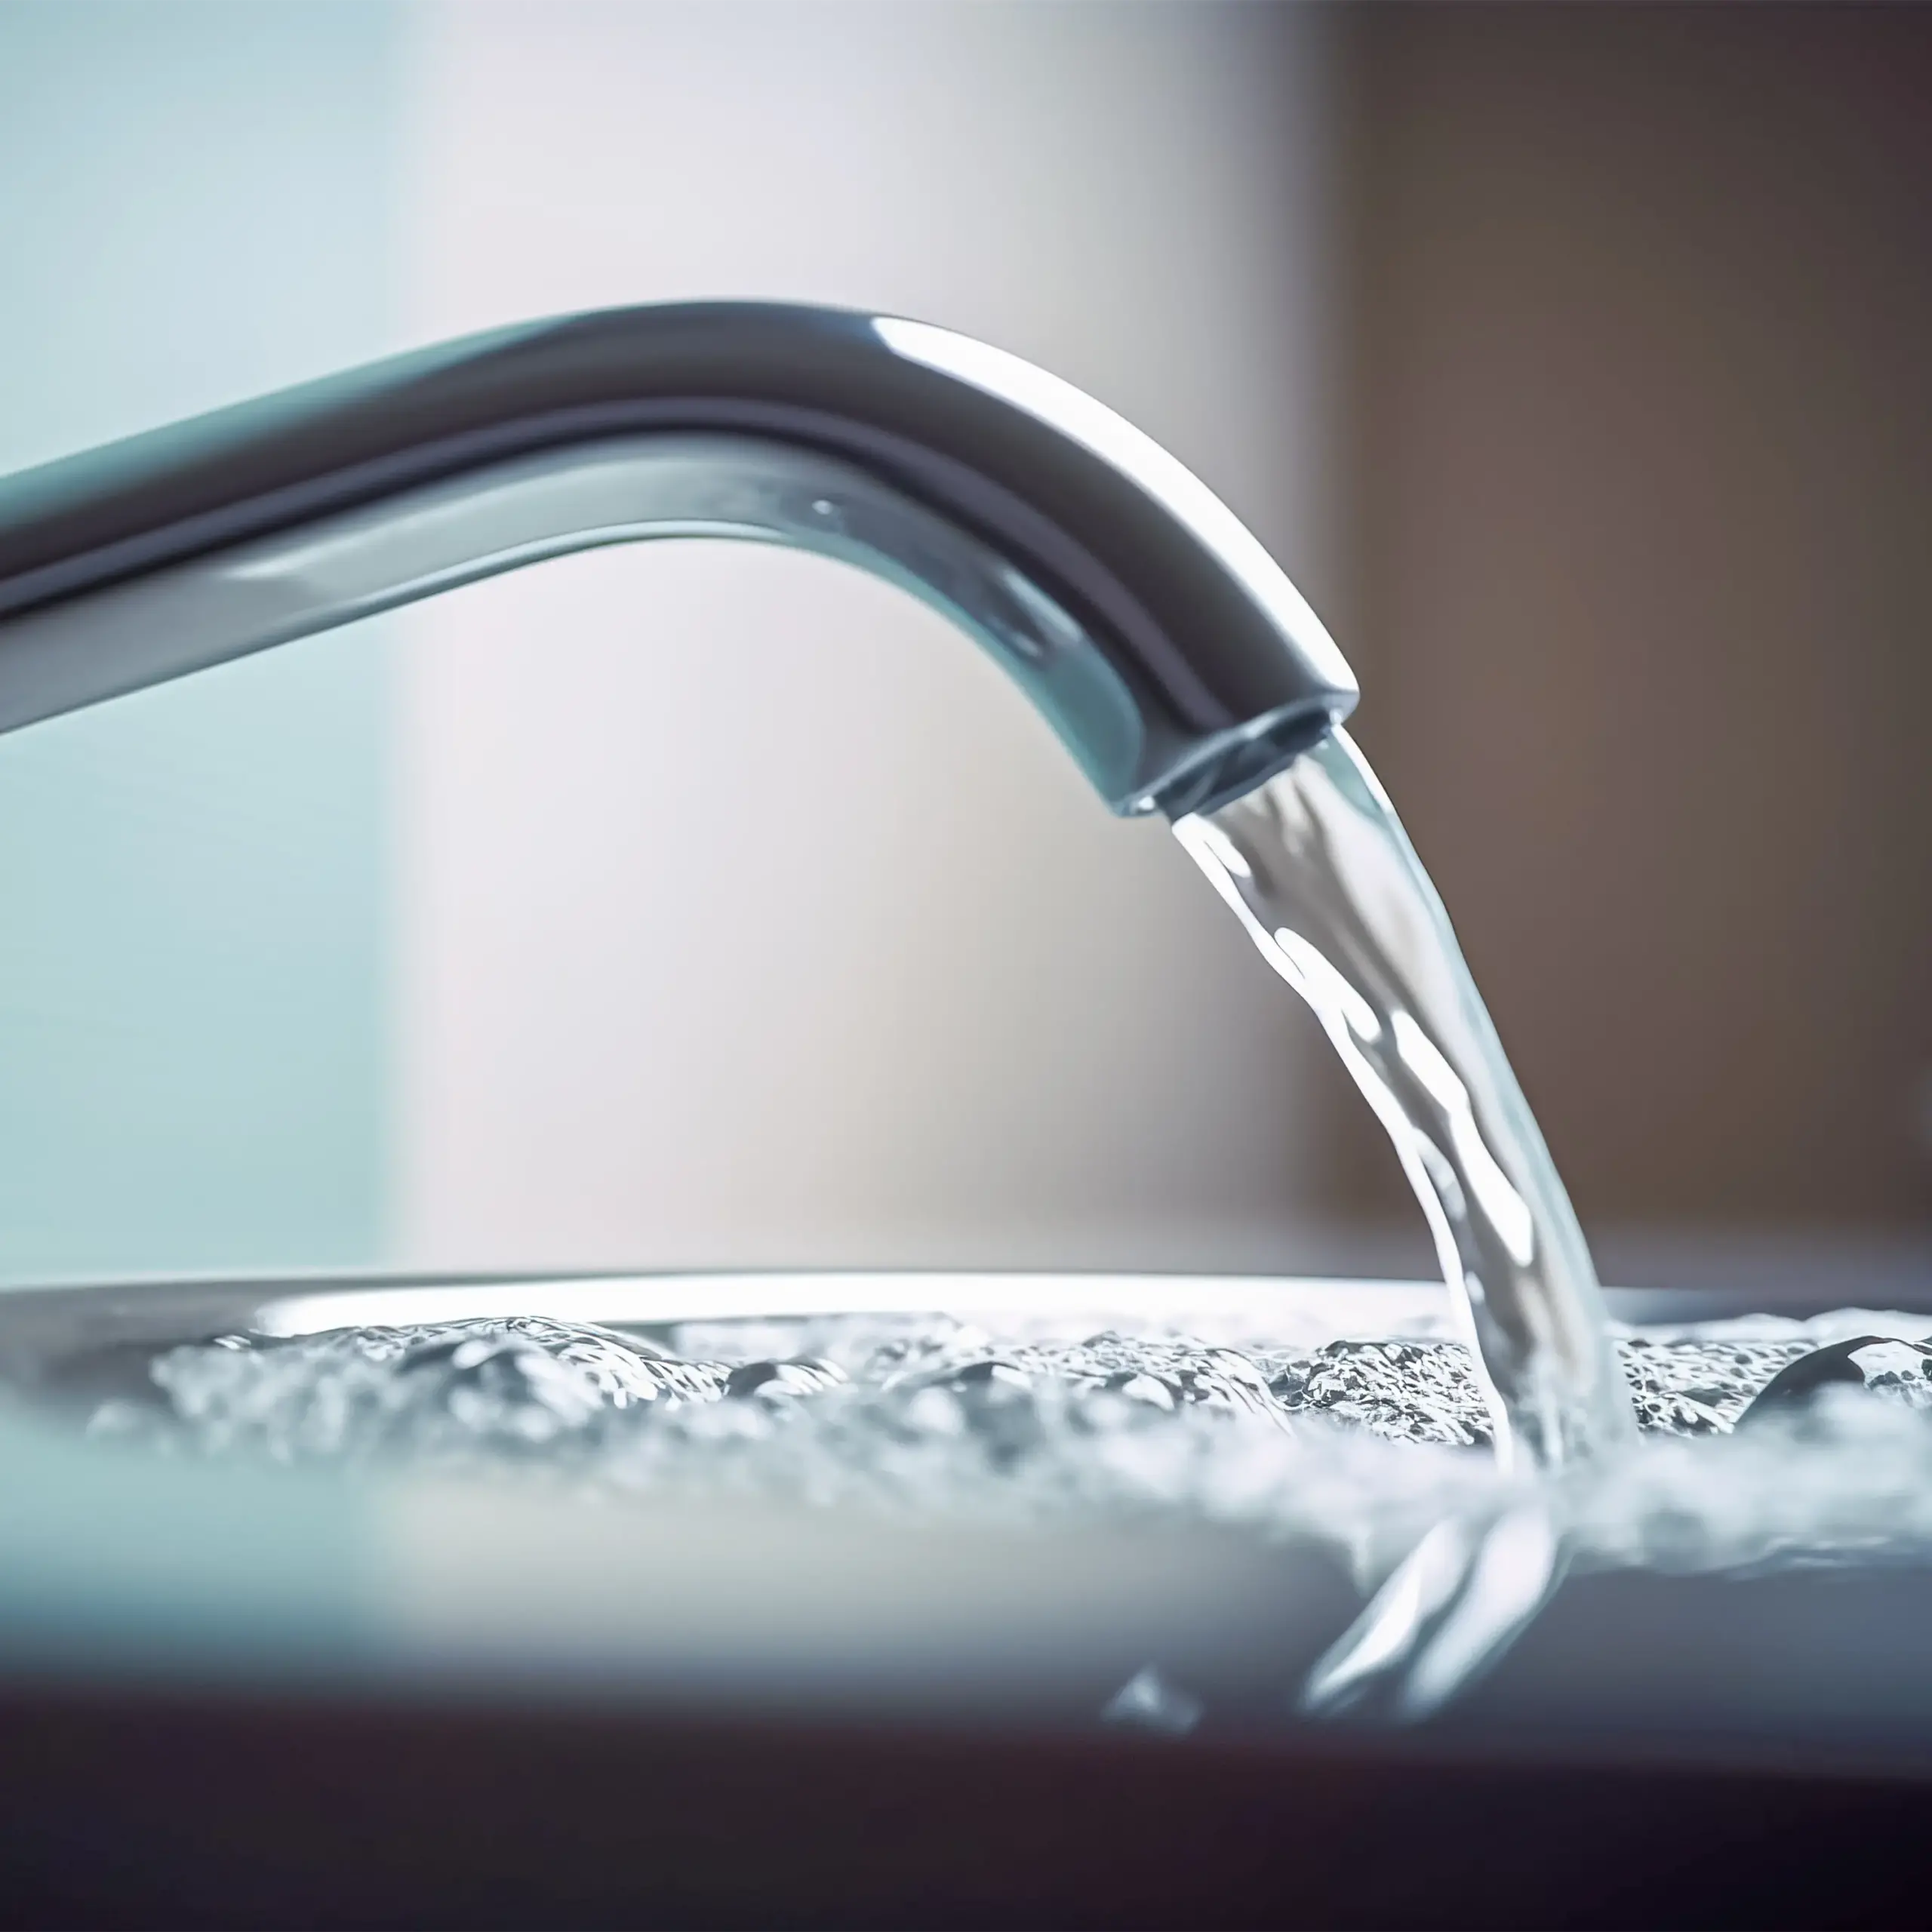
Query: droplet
[1148, 1702]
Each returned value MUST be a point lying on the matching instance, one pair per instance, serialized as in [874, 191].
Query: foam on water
[1364, 1444]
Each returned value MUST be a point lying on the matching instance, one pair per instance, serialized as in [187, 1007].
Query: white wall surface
[744, 912]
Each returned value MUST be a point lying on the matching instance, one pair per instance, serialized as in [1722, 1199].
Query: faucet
[1175, 659]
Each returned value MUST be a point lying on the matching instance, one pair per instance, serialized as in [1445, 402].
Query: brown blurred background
[1642, 595]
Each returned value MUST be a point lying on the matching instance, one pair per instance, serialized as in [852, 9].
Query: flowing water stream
[1316, 866]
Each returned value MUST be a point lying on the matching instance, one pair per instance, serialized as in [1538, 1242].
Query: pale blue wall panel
[195, 205]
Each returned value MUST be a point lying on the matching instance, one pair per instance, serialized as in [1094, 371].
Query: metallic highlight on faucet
[1174, 658]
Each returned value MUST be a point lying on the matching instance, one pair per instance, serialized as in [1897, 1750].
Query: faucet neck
[1203, 671]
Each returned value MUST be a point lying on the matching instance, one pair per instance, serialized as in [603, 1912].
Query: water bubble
[1148, 1702]
[781, 1381]
[1879, 1365]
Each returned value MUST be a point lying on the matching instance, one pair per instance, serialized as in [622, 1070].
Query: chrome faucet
[1171, 654]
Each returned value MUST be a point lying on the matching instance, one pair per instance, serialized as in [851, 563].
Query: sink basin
[235, 1692]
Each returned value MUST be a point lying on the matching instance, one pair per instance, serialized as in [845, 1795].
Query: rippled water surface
[1765, 1442]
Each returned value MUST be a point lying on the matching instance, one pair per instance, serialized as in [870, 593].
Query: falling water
[1317, 867]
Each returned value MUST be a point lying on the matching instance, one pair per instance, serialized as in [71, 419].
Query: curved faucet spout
[1173, 657]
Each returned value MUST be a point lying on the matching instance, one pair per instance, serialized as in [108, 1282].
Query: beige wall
[1644, 577]
[746, 913]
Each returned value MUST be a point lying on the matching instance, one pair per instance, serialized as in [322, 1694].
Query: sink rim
[158, 1307]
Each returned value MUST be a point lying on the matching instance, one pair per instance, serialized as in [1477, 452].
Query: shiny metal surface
[1170, 652]
[44, 1330]
[271, 589]
[43, 1327]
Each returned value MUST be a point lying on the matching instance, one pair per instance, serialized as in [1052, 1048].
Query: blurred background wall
[748, 914]
[688, 904]
[1642, 448]
[197, 203]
